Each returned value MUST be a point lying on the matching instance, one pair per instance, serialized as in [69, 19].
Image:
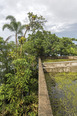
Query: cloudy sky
[61, 15]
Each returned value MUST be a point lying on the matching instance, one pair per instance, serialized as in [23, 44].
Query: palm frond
[8, 27]
[19, 23]
[23, 27]
[14, 25]
[10, 17]
[8, 38]
[20, 32]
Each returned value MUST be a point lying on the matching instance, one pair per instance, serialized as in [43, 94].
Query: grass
[62, 90]
[56, 60]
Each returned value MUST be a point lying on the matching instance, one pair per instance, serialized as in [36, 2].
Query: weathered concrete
[66, 66]
[44, 107]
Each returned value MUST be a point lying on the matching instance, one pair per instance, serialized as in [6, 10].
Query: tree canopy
[43, 43]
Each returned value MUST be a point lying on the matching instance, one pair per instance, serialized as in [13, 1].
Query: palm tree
[14, 26]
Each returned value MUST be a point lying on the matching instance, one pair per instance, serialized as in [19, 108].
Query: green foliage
[34, 45]
[51, 44]
[43, 43]
[22, 40]
[36, 23]
[67, 47]
[16, 95]
[18, 89]
[19, 68]
[5, 59]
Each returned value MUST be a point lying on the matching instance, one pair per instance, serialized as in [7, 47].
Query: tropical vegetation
[19, 63]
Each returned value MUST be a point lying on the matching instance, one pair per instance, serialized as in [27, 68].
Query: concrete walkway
[44, 107]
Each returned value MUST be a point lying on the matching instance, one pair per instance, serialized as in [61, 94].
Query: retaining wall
[44, 107]
[66, 66]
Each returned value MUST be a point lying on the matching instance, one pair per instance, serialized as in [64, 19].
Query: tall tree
[36, 22]
[42, 43]
[14, 26]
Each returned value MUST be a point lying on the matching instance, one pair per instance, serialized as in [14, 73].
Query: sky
[61, 15]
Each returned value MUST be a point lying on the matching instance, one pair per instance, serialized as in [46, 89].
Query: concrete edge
[44, 106]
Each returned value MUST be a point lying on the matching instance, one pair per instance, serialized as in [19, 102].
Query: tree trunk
[16, 39]
[16, 42]
[25, 33]
[21, 51]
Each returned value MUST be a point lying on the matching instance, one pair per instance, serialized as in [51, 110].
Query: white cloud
[60, 14]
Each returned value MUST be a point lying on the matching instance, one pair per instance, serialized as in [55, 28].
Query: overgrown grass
[62, 88]
[56, 60]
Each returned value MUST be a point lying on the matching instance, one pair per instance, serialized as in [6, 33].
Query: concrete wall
[44, 107]
[66, 66]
